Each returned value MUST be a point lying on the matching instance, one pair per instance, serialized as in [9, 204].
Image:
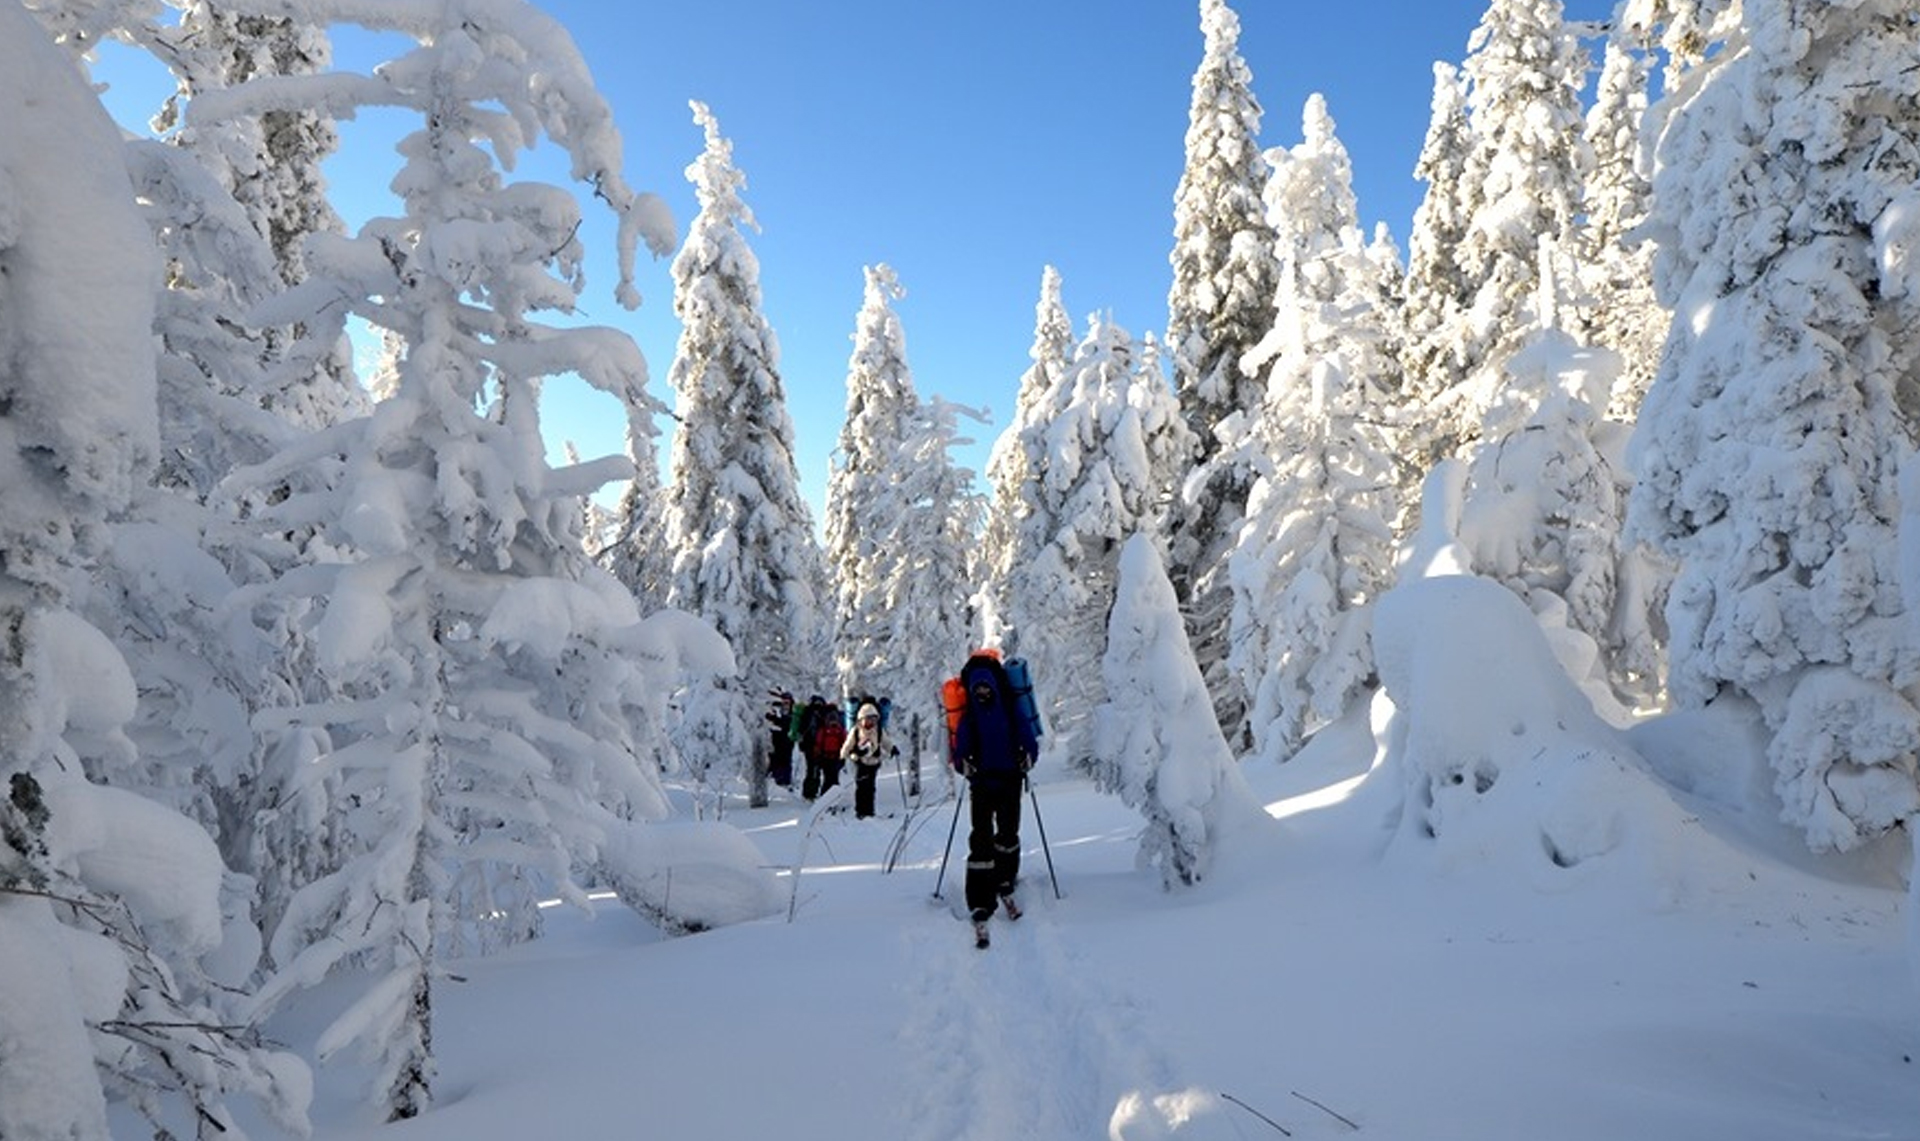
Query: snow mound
[1499, 760]
[689, 875]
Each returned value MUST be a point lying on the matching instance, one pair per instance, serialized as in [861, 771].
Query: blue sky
[966, 145]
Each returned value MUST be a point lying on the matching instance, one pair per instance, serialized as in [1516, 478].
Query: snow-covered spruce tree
[1433, 363]
[1013, 533]
[109, 902]
[1520, 197]
[481, 680]
[271, 164]
[866, 516]
[164, 584]
[1114, 439]
[932, 572]
[174, 584]
[631, 539]
[900, 524]
[1155, 741]
[1317, 547]
[1542, 512]
[1220, 305]
[1616, 262]
[1785, 206]
[1687, 31]
[741, 536]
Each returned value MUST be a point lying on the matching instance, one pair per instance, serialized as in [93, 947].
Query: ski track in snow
[1020, 1040]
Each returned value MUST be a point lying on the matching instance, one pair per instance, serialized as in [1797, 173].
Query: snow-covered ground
[1702, 978]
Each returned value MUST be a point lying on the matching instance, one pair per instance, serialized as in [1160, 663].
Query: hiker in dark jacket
[780, 725]
[994, 748]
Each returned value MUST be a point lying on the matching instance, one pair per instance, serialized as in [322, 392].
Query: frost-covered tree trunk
[1155, 741]
[1317, 547]
[1013, 531]
[1768, 449]
[481, 679]
[109, 902]
[741, 536]
[1220, 305]
[1113, 440]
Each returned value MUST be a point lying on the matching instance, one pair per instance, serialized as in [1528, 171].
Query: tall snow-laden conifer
[1785, 206]
[1155, 741]
[1433, 361]
[866, 516]
[1220, 305]
[1520, 188]
[1317, 547]
[1616, 262]
[486, 689]
[1543, 510]
[741, 536]
[931, 581]
[1113, 439]
[270, 163]
[109, 902]
[1013, 532]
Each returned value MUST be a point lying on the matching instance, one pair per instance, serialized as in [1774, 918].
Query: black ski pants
[865, 779]
[993, 842]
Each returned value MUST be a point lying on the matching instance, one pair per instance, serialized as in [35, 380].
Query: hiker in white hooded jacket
[867, 746]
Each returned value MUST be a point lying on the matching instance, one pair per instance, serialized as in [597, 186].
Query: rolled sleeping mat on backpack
[1022, 683]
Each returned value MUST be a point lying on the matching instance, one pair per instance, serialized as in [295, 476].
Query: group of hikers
[992, 741]
[818, 730]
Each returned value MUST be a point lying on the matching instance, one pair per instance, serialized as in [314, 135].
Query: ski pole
[958, 796]
[1042, 826]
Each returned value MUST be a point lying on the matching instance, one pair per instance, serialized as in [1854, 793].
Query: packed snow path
[1022, 1040]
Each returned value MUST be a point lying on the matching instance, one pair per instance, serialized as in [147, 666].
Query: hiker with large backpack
[994, 746]
[827, 735]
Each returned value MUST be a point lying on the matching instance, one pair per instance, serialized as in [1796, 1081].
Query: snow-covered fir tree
[1155, 741]
[1767, 453]
[1317, 546]
[631, 539]
[1114, 439]
[483, 694]
[866, 514]
[740, 535]
[1520, 195]
[928, 623]
[1687, 31]
[1220, 305]
[1616, 261]
[1543, 509]
[1435, 289]
[111, 920]
[1013, 533]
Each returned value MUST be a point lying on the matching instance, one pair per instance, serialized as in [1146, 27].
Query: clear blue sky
[968, 145]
